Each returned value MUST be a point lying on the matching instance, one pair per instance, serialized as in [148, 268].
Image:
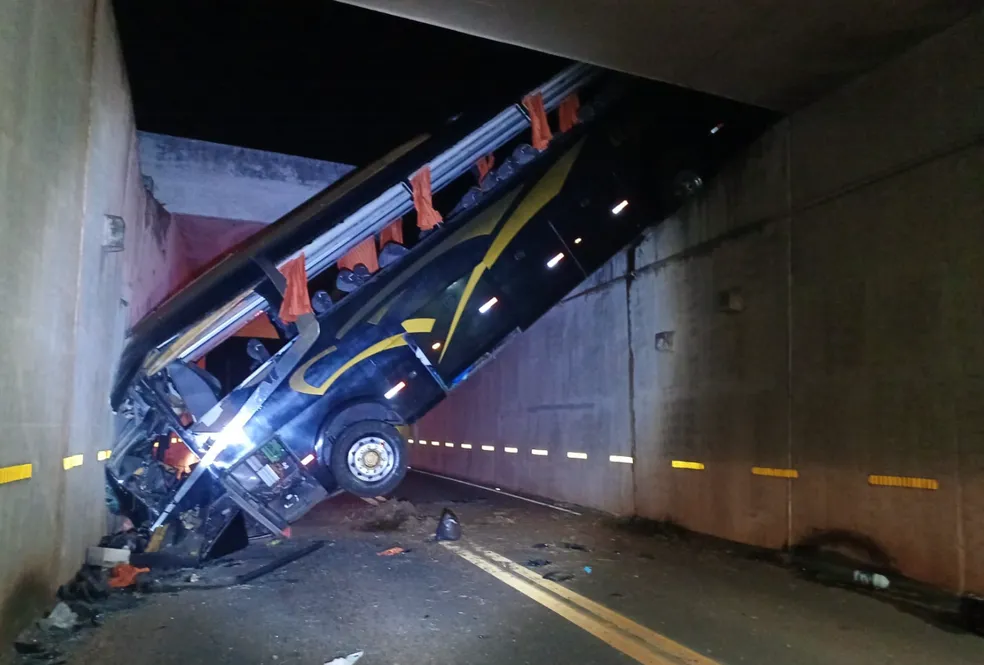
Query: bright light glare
[540, 452]
[555, 260]
[488, 305]
[620, 207]
[307, 459]
[620, 459]
[577, 455]
[436, 345]
[577, 241]
[391, 393]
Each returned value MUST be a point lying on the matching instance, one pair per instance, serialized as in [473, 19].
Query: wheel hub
[371, 459]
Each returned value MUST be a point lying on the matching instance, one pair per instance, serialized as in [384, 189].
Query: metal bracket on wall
[114, 230]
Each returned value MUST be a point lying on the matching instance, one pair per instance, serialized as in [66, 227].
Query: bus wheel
[369, 458]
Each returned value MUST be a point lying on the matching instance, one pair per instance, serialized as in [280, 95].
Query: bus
[195, 463]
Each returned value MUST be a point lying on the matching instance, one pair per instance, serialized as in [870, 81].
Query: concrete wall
[851, 240]
[214, 180]
[67, 159]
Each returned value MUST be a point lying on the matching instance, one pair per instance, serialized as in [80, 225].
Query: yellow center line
[636, 641]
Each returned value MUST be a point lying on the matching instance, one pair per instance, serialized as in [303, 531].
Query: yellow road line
[905, 481]
[9, 474]
[636, 641]
[775, 473]
[681, 464]
[72, 461]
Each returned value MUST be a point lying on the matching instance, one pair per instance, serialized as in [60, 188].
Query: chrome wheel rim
[371, 459]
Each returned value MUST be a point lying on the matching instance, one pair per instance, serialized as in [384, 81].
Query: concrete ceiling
[779, 54]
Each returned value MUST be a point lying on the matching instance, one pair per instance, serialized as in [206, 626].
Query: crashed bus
[325, 412]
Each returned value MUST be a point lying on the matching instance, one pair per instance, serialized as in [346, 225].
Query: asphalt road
[657, 596]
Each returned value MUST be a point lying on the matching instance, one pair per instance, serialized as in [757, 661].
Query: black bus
[324, 413]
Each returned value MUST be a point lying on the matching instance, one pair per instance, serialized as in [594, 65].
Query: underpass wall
[67, 159]
[817, 314]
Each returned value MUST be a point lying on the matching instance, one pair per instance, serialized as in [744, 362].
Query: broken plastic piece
[347, 660]
[427, 216]
[538, 120]
[567, 112]
[125, 575]
[448, 528]
[393, 551]
[296, 299]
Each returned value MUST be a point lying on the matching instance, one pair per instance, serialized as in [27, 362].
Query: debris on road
[393, 551]
[347, 660]
[587, 569]
[107, 557]
[61, 618]
[448, 528]
[124, 575]
[558, 576]
[389, 516]
[537, 563]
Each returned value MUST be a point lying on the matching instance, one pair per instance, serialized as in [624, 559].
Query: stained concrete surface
[852, 233]
[430, 606]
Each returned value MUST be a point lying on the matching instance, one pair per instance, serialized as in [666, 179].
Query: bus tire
[368, 458]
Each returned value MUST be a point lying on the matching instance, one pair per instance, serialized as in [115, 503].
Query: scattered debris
[448, 528]
[130, 539]
[537, 563]
[389, 516]
[587, 569]
[574, 546]
[125, 575]
[393, 551]
[107, 557]
[347, 660]
[61, 618]
[558, 576]
[88, 585]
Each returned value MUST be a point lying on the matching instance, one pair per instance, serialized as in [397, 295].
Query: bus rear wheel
[369, 458]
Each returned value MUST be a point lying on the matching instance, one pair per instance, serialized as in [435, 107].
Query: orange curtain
[568, 112]
[296, 299]
[364, 253]
[538, 120]
[484, 165]
[392, 233]
[427, 217]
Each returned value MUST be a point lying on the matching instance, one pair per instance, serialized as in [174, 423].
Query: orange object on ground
[364, 253]
[427, 217]
[484, 165]
[124, 575]
[296, 299]
[567, 112]
[393, 551]
[538, 120]
[392, 233]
